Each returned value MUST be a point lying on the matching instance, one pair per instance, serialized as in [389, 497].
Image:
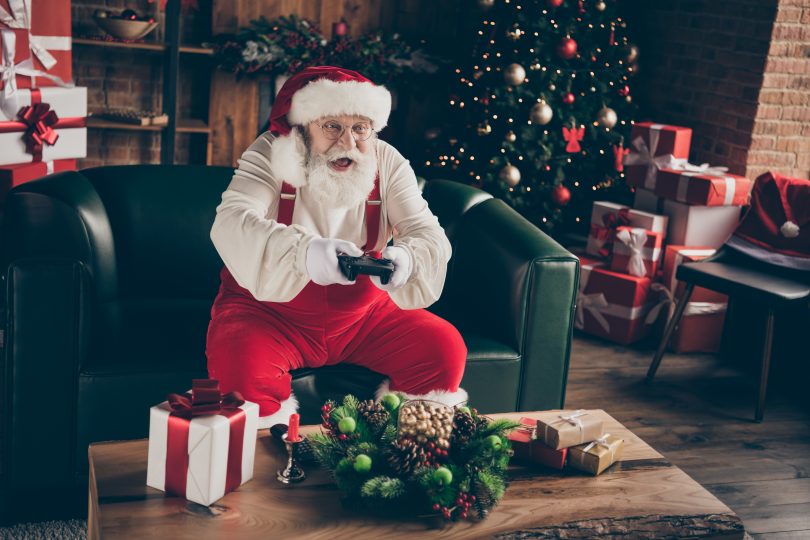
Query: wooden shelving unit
[171, 49]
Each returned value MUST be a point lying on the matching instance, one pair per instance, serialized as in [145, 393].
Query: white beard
[338, 189]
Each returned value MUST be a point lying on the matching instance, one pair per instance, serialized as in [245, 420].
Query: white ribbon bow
[682, 164]
[591, 302]
[9, 72]
[601, 441]
[571, 418]
[644, 155]
[692, 308]
[634, 239]
[20, 18]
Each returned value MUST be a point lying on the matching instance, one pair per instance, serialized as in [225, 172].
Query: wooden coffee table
[643, 496]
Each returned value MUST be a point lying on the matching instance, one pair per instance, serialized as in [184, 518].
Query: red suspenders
[287, 204]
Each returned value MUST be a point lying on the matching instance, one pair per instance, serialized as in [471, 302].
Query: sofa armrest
[511, 282]
[45, 340]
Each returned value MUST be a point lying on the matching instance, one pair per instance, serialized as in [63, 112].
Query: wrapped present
[202, 445]
[15, 59]
[706, 186]
[701, 325]
[612, 305]
[636, 251]
[596, 456]
[606, 217]
[529, 450]
[564, 429]
[40, 134]
[65, 102]
[12, 176]
[691, 225]
[651, 147]
[48, 27]
[647, 201]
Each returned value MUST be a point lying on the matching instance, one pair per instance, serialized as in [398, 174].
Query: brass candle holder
[293, 472]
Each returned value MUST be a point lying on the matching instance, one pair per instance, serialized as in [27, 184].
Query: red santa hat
[776, 228]
[314, 93]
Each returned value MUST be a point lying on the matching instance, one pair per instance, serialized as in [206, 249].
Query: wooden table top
[643, 493]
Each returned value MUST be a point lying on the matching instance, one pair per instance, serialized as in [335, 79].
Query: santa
[317, 184]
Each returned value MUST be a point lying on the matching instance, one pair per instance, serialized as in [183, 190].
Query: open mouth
[341, 164]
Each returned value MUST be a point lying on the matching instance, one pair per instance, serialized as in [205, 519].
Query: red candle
[292, 430]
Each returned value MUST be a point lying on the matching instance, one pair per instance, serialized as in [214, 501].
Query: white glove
[402, 268]
[322, 262]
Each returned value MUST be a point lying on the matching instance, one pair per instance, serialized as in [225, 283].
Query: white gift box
[708, 226]
[65, 102]
[72, 144]
[646, 201]
[643, 220]
[208, 439]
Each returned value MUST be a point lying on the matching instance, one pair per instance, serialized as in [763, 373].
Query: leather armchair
[110, 276]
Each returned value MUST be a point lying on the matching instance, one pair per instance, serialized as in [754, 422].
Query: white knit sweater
[268, 258]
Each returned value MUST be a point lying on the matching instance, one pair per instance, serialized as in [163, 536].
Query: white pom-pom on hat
[789, 229]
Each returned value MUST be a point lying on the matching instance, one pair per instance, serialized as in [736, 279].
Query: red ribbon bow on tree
[572, 136]
[40, 120]
[204, 399]
[619, 152]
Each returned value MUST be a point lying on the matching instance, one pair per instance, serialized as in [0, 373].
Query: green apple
[494, 442]
[362, 463]
[442, 476]
[390, 401]
[347, 425]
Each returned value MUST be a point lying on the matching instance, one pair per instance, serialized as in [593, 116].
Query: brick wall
[701, 65]
[736, 71]
[117, 77]
[781, 132]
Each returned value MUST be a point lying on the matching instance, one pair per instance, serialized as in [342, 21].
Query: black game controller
[353, 266]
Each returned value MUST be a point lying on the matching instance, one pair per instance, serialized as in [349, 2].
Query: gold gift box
[594, 457]
[563, 429]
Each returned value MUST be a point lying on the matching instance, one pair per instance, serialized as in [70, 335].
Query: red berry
[459, 501]
[436, 507]
[464, 515]
[343, 437]
[472, 498]
[431, 445]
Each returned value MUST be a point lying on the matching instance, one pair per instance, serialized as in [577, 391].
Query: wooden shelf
[156, 47]
[184, 125]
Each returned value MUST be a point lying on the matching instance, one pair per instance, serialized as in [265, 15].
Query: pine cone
[483, 499]
[373, 413]
[464, 427]
[405, 456]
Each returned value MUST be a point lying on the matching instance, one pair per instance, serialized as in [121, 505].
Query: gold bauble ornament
[541, 113]
[607, 117]
[484, 129]
[630, 53]
[600, 6]
[510, 175]
[510, 136]
[514, 74]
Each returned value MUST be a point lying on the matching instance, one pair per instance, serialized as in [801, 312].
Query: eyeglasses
[334, 130]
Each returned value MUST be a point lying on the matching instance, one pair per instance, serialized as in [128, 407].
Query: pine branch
[384, 487]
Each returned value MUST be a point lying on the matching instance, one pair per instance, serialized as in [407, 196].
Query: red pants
[253, 345]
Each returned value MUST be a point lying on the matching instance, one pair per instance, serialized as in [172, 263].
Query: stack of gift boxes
[557, 439]
[682, 213]
[42, 114]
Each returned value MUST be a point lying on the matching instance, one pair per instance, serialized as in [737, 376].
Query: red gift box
[612, 305]
[529, 450]
[606, 217]
[12, 176]
[48, 26]
[636, 251]
[651, 146]
[706, 188]
[15, 55]
[701, 326]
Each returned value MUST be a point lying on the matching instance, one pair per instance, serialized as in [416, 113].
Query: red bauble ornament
[554, 3]
[569, 98]
[567, 49]
[561, 195]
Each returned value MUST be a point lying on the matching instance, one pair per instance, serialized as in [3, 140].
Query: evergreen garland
[363, 460]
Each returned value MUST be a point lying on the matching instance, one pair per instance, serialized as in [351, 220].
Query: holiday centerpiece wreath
[415, 457]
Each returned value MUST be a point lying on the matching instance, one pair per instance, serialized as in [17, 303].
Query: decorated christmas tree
[541, 115]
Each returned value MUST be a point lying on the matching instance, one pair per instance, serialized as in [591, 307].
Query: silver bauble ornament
[600, 6]
[510, 175]
[607, 117]
[541, 113]
[514, 74]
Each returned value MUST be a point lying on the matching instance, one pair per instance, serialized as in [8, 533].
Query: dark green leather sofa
[109, 279]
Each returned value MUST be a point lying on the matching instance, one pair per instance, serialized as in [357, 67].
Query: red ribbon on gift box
[607, 231]
[204, 399]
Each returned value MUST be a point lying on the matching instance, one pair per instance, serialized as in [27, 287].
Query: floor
[698, 413]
